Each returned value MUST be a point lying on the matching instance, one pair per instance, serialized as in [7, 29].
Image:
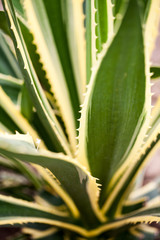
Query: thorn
[151, 74]
[94, 10]
[38, 141]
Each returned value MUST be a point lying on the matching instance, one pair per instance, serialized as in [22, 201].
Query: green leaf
[32, 50]
[144, 8]
[3, 23]
[16, 120]
[77, 182]
[72, 12]
[26, 104]
[126, 178]
[99, 28]
[20, 211]
[11, 86]
[51, 198]
[48, 234]
[19, 10]
[40, 102]
[149, 191]
[52, 46]
[7, 123]
[123, 187]
[133, 205]
[104, 21]
[8, 62]
[115, 106]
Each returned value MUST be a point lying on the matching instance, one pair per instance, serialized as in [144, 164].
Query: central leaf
[113, 111]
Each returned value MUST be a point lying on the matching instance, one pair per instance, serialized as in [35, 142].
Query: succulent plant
[76, 126]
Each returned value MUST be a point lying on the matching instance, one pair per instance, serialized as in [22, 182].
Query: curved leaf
[75, 180]
[52, 46]
[116, 104]
[74, 19]
[40, 102]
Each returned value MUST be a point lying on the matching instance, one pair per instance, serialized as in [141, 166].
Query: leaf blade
[103, 105]
[74, 178]
[40, 102]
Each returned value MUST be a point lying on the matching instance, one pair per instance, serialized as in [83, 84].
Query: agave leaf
[74, 23]
[122, 188]
[11, 86]
[19, 10]
[99, 28]
[48, 199]
[146, 211]
[28, 38]
[104, 22]
[150, 191]
[7, 80]
[140, 231]
[26, 104]
[4, 128]
[32, 50]
[112, 116]
[52, 182]
[6, 123]
[132, 205]
[37, 234]
[15, 210]
[149, 147]
[32, 212]
[42, 106]
[3, 23]
[148, 231]
[24, 169]
[54, 55]
[28, 172]
[152, 133]
[16, 117]
[8, 62]
[76, 180]
[145, 215]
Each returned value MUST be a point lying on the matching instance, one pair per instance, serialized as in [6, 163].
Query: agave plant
[75, 86]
